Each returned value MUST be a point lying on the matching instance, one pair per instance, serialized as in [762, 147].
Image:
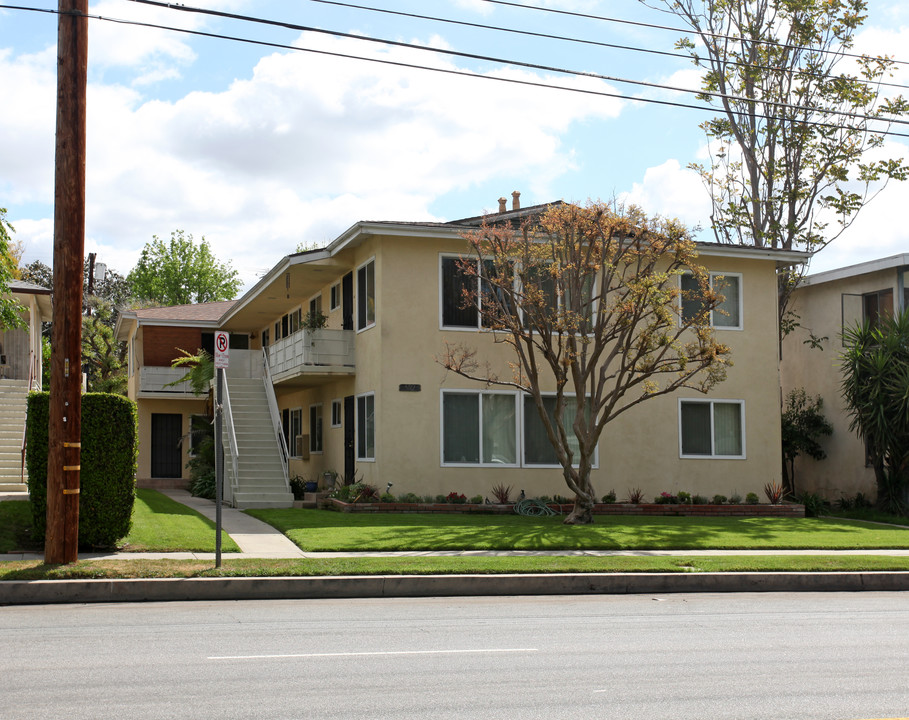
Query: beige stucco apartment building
[826, 303]
[365, 397]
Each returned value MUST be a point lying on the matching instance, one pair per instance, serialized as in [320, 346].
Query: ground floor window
[500, 429]
[292, 425]
[712, 428]
[336, 413]
[366, 427]
[479, 428]
[315, 428]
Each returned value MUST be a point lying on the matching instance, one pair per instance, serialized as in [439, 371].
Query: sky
[261, 149]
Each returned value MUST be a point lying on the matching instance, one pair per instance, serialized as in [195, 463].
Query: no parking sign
[222, 344]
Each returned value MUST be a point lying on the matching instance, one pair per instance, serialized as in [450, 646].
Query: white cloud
[672, 191]
[301, 149]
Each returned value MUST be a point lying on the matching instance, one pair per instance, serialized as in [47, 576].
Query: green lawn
[325, 530]
[164, 525]
[159, 525]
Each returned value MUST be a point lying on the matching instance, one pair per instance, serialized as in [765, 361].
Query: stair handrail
[231, 435]
[275, 414]
[31, 379]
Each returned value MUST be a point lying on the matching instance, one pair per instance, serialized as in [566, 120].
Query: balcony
[310, 353]
[155, 381]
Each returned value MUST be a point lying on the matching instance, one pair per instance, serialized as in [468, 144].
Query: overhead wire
[462, 73]
[517, 63]
[565, 38]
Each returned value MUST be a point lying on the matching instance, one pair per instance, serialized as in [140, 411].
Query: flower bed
[757, 510]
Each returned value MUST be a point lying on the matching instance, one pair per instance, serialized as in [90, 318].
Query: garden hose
[532, 507]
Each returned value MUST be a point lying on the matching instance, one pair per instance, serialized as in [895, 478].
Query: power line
[462, 73]
[517, 63]
[565, 38]
[686, 31]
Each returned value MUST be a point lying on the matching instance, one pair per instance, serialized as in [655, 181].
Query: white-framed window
[728, 314]
[366, 426]
[334, 297]
[499, 429]
[292, 425]
[538, 451]
[479, 428]
[712, 428]
[458, 288]
[337, 412]
[315, 428]
[315, 306]
[366, 295]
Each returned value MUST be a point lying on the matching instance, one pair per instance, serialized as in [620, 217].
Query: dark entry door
[350, 438]
[166, 430]
[347, 301]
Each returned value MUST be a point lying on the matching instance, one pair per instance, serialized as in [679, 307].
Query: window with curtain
[728, 314]
[711, 428]
[366, 295]
[366, 427]
[537, 448]
[479, 428]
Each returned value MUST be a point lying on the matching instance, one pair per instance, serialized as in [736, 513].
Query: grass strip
[325, 530]
[111, 569]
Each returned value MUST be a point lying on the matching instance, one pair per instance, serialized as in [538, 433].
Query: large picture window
[366, 295]
[366, 427]
[537, 448]
[728, 314]
[479, 428]
[499, 429]
[712, 428]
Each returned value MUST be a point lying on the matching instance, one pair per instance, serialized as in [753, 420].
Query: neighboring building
[20, 371]
[364, 397]
[155, 337]
[826, 303]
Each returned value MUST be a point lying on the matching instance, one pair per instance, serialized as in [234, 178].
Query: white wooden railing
[275, 413]
[228, 417]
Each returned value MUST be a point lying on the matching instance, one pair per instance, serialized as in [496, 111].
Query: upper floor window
[334, 297]
[366, 295]
[461, 305]
[876, 305]
[728, 314]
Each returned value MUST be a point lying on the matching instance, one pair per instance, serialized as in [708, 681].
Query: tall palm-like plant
[876, 390]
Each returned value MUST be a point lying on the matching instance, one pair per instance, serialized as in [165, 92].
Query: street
[780, 656]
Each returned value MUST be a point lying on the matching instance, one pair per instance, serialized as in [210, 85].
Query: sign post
[222, 347]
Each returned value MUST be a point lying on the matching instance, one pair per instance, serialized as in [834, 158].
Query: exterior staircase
[13, 394]
[261, 480]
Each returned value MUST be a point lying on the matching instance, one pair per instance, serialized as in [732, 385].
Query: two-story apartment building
[826, 303]
[365, 397]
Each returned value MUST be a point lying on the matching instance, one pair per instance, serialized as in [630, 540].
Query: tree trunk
[582, 512]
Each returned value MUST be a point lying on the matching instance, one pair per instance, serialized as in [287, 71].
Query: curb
[41, 592]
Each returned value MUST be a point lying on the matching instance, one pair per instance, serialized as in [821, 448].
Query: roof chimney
[503, 205]
[515, 200]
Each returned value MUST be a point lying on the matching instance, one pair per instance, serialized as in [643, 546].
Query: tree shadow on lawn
[322, 530]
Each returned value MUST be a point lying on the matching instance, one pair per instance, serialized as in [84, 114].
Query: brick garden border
[644, 509]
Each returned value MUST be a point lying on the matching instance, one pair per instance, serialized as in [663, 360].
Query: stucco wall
[146, 408]
[820, 308]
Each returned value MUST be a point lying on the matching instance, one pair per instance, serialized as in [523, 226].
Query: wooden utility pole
[65, 425]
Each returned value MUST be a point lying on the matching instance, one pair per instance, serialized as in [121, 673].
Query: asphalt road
[780, 656]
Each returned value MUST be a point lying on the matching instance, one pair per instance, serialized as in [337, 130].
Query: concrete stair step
[9, 487]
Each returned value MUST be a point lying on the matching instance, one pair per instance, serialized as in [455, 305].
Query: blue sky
[260, 149]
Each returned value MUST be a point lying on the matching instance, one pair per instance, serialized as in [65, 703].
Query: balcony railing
[157, 380]
[312, 351]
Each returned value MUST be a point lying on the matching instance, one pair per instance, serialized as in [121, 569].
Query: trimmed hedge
[107, 478]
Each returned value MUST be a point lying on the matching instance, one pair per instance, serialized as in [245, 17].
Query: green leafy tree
[103, 356]
[181, 272]
[10, 309]
[590, 302]
[875, 388]
[803, 424]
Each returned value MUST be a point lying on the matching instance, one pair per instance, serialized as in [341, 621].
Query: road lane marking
[382, 653]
